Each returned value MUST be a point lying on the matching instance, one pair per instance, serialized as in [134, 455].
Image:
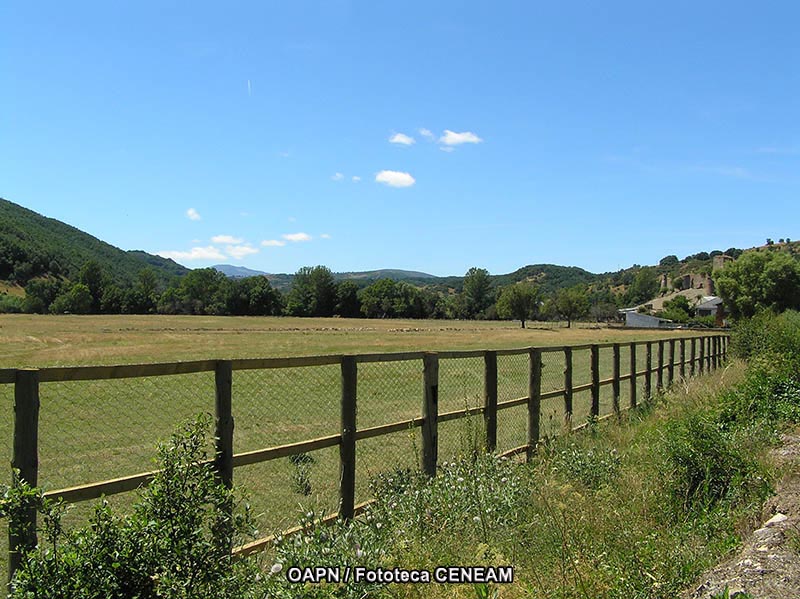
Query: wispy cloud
[427, 134]
[229, 239]
[240, 251]
[395, 179]
[337, 177]
[296, 237]
[196, 253]
[447, 149]
[193, 214]
[273, 243]
[356, 178]
[402, 139]
[249, 88]
[451, 138]
[325, 236]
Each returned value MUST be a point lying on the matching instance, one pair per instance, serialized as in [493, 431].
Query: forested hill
[32, 245]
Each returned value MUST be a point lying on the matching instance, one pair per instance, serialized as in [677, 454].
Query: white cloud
[447, 148]
[227, 239]
[196, 253]
[337, 177]
[295, 237]
[402, 139]
[426, 133]
[395, 179]
[273, 243]
[356, 179]
[193, 214]
[325, 236]
[451, 138]
[240, 251]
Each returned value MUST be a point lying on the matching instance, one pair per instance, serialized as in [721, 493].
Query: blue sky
[270, 134]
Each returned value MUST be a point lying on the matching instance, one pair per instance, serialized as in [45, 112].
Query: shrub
[706, 465]
[176, 543]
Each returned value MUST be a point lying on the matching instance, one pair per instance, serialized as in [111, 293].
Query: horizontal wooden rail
[122, 371]
[385, 429]
[282, 451]
[292, 362]
[456, 414]
[392, 357]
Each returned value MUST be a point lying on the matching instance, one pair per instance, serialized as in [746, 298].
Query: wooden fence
[694, 355]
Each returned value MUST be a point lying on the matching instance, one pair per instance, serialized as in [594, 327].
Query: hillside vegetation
[32, 245]
[64, 270]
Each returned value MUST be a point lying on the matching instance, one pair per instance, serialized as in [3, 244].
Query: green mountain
[32, 245]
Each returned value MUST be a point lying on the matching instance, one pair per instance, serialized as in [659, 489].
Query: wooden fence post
[223, 460]
[347, 448]
[633, 375]
[534, 400]
[702, 362]
[568, 388]
[430, 414]
[693, 357]
[615, 379]
[709, 351]
[683, 360]
[660, 370]
[25, 460]
[671, 367]
[648, 371]
[716, 351]
[490, 398]
[595, 368]
[223, 456]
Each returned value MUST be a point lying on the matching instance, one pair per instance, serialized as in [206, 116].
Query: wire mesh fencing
[103, 429]
[461, 388]
[290, 436]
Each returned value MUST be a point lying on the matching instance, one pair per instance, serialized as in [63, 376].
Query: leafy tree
[644, 286]
[78, 300]
[112, 300]
[760, 280]
[203, 291]
[677, 309]
[572, 303]
[670, 260]
[348, 305]
[477, 291]
[518, 302]
[92, 276]
[313, 292]
[603, 312]
[387, 298]
[39, 294]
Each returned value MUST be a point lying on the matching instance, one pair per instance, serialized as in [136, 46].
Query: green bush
[706, 465]
[175, 544]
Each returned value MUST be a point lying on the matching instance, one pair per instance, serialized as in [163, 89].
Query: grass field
[97, 430]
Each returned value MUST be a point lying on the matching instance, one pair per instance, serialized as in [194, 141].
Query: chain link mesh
[388, 392]
[513, 374]
[461, 387]
[91, 431]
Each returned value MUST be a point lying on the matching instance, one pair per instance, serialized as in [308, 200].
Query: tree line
[315, 292]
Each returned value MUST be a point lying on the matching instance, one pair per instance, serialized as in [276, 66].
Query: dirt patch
[768, 565]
